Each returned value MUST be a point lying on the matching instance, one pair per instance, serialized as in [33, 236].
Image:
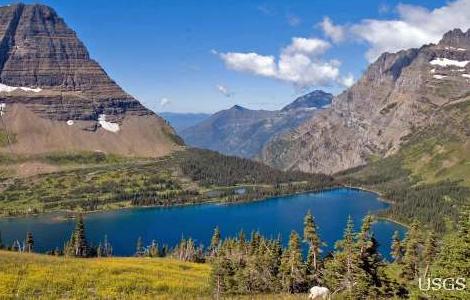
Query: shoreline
[63, 214]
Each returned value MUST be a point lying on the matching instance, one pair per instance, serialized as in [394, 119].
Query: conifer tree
[343, 272]
[77, 245]
[139, 247]
[215, 241]
[1, 241]
[430, 251]
[29, 242]
[154, 249]
[396, 248]
[411, 257]
[81, 244]
[292, 269]
[453, 258]
[314, 243]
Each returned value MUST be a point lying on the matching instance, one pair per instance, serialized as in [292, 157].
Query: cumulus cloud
[250, 62]
[414, 27]
[335, 32]
[224, 90]
[298, 63]
[164, 102]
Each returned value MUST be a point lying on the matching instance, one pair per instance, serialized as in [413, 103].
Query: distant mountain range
[181, 121]
[244, 132]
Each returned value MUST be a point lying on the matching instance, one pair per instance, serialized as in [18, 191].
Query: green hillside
[94, 181]
[429, 178]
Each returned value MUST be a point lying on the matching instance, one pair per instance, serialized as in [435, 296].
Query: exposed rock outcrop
[65, 91]
[398, 94]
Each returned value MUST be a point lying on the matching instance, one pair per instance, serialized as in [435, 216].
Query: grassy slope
[35, 276]
[430, 176]
[39, 276]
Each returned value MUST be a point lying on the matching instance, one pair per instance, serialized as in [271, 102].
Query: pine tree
[29, 242]
[396, 248]
[81, 244]
[411, 257]
[139, 248]
[430, 251]
[154, 249]
[1, 241]
[453, 257]
[215, 242]
[77, 245]
[314, 243]
[343, 272]
[292, 269]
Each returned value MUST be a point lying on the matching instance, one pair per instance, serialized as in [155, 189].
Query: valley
[355, 194]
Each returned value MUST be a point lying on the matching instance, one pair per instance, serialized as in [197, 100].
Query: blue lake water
[167, 225]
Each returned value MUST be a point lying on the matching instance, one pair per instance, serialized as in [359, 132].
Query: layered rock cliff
[59, 99]
[399, 94]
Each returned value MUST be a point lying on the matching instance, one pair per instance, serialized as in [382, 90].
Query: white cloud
[308, 46]
[224, 90]
[335, 32]
[348, 80]
[414, 27]
[250, 62]
[298, 63]
[164, 102]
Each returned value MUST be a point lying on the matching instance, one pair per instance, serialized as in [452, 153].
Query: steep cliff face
[58, 99]
[399, 94]
[243, 132]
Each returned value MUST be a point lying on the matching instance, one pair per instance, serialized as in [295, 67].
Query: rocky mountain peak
[237, 107]
[456, 38]
[57, 98]
[316, 99]
[397, 95]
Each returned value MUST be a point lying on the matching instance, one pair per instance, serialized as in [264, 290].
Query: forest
[94, 181]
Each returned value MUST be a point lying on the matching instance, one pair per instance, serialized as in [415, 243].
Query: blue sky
[177, 53]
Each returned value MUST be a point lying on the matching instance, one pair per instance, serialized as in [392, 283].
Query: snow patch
[437, 76]
[453, 48]
[444, 62]
[70, 122]
[3, 107]
[466, 75]
[109, 126]
[9, 89]
[432, 71]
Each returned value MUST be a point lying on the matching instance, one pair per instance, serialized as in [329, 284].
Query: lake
[273, 216]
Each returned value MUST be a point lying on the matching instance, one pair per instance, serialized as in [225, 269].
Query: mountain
[243, 132]
[405, 97]
[316, 99]
[56, 98]
[181, 121]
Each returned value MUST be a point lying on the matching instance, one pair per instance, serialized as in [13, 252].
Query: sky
[204, 56]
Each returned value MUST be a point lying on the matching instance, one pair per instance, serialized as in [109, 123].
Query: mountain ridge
[243, 132]
[398, 94]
